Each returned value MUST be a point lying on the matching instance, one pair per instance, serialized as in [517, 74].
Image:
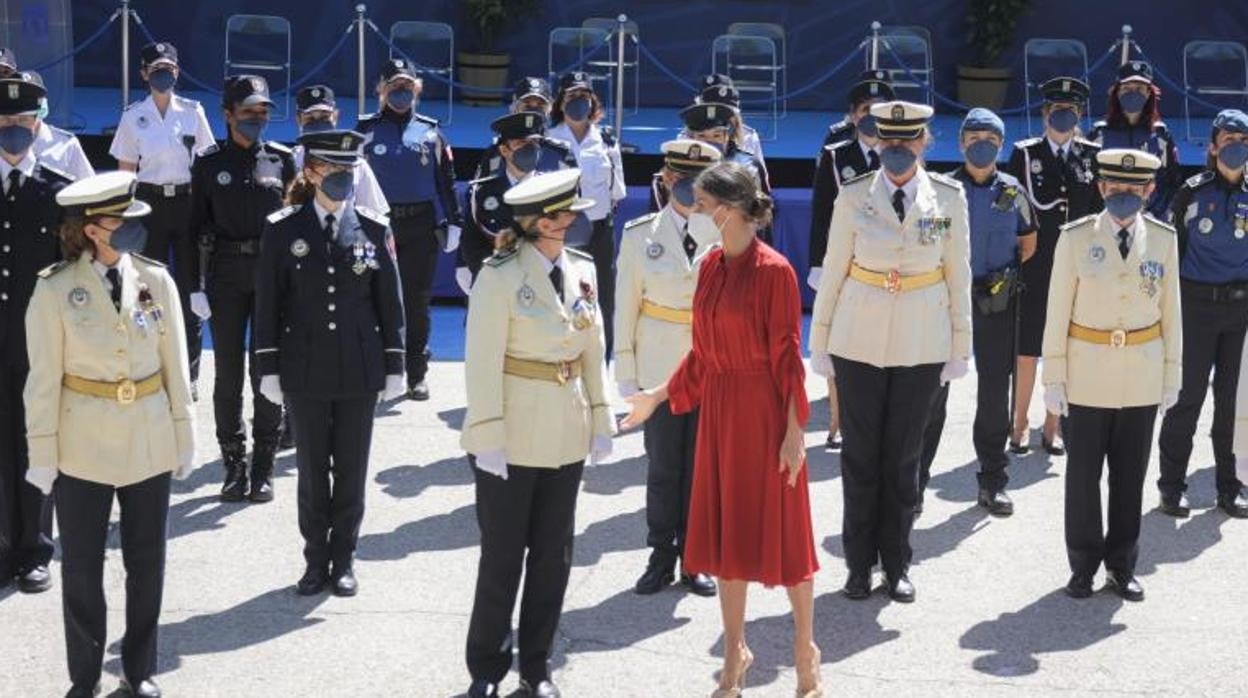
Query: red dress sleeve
[784, 339]
[684, 388]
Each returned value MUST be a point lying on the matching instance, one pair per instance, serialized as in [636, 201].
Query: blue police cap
[1232, 120]
[980, 119]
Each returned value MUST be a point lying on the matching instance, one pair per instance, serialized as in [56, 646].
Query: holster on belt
[992, 292]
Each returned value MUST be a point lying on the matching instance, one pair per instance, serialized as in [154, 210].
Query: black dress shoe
[833, 443]
[1079, 586]
[858, 585]
[483, 689]
[1235, 505]
[1175, 506]
[1125, 585]
[34, 580]
[997, 502]
[1019, 448]
[918, 506]
[344, 583]
[539, 689]
[698, 584]
[1054, 447]
[261, 489]
[145, 689]
[418, 392]
[235, 487]
[900, 589]
[312, 582]
[80, 692]
[656, 578]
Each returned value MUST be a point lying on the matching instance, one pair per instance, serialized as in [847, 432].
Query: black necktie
[556, 280]
[899, 204]
[873, 160]
[691, 245]
[329, 227]
[15, 181]
[1124, 237]
[114, 280]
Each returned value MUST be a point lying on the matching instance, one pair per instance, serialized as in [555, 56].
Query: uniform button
[333, 325]
[4, 272]
[330, 289]
[1063, 187]
[4, 296]
[7, 225]
[7, 248]
[331, 307]
[43, 229]
[330, 270]
[121, 352]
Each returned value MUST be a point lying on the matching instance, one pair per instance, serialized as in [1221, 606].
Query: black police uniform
[414, 165]
[842, 130]
[329, 322]
[233, 189]
[838, 163]
[554, 155]
[29, 222]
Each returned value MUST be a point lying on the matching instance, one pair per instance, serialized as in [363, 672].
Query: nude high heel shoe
[734, 691]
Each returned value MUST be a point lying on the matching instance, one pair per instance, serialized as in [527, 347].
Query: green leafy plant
[990, 27]
[492, 17]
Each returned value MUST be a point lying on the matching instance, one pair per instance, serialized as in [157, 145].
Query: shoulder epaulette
[60, 131]
[1008, 179]
[282, 214]
[503, 256]
[1159, 223]
[1027, 142]
[578, 253]
[945, 180]
[556, 144]
[1161, 127]
[640, 220]
[147, 260]
[1079, 221]
[211, 149]
[279, 148]
[608, 135]
[485, 178]
[134, 104]
[373, 215]
[51, 269]
[1099, 124]
[427, 119]
[1086, 143]
[60, 174]
[855, 180]
[187, 101]
[1199, 180]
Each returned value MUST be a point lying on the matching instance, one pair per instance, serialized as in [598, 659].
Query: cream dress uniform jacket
[1093, 286]
[869, 324]
[514, 311]
[73, 329]
[652, 266]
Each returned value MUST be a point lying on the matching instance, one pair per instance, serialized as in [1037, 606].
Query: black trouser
[25, 513]
[1094, 436]
[332, 436]
[232, 295]
[527, 523]
[882, 427]
[83, 521]
[669, 441]
[418, 250]
[169, 240]
[1213, 337]
[601, 247]
[994, 361]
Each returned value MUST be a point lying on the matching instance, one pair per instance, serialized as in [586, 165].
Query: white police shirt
[162, 146]
[61, 150]
[602, 170]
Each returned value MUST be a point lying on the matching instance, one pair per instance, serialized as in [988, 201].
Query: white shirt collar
[122, 266]
[681, 221]
[322, 212]
[548, 265]
[1059, 150]
[911, 188]
[26, 166]
[866, 151]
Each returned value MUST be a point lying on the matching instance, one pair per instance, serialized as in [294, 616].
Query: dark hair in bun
[737, 186]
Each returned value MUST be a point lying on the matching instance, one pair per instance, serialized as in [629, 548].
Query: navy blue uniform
[489, 215]
[1211, 217]
[415, 167]
[1156, 140]
[329, 322]
[842, 130]
[29, 221]
[999, 215]
[837, 164]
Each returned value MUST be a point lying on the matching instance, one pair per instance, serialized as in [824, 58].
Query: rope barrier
[80, 47]
[1174, 85]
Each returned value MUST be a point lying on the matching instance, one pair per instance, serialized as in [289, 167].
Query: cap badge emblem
[899, 112]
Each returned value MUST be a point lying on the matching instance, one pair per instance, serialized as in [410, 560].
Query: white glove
[1055, 399]
[1241, 469]
[822, 365]
[493, 462]
[812, 279]
[396, 386]
[628, 388]
[42, 478]
[271, 389]
[600, 449]
[186, 464]
[953, 370]
[452, 237]
[1169, 397]
[199, 305]
[463, 278]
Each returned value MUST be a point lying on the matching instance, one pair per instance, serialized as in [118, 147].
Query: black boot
[287, 440]
[262, 474]
[234, 457]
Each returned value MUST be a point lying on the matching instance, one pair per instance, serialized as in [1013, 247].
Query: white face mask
[704, 229]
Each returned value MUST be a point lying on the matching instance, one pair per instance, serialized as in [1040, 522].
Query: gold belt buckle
[1118, 339]
[126, 392]
[892, 281]
[563, 372]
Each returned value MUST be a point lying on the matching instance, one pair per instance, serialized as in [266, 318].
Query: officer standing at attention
[158, 138]
[1133, 120]
[329, 337]
[537, 406]
[1058, 172]
[574, 120]
[233, 189]
[838, 163]
[892, 323]
[1003, 232]
[108, 415]
[56, 146]
[531, 95]
[711, 123]
[660, 255]
[29, 219]
[1211, 215]
[718, 88]
[318, 111]
[416, 168]
[844, 129]
[1112, 352]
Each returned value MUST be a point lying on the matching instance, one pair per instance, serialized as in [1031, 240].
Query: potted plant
[486, 67]
[990, 28]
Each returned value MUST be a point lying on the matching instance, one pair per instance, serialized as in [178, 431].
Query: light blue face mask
[1063, 120]
[525, 157]
[1132, 102]
[682, 192]
[867, 127]
[401, 100]
[1233, 155]
[1124, 204]
[982, 153]
[338, 186]
[130, 236]
[578, 109]
[897, 159]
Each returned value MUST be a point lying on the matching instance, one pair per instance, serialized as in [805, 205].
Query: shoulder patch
[640, 220]
[373, 215]
[572, 251]
[212, 149]
[502, 257]
[1080, 221]
[945, 180]
[56, 173]
[1199, 180]
[282, 214]
[51, 269]
[147, 260]
[275, 147]
[1148, 218]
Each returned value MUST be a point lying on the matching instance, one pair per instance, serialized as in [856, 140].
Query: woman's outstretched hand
[641, 405]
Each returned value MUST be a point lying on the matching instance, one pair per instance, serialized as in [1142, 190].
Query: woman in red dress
[749, 514]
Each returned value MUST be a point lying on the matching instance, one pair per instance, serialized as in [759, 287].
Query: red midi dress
[745, 521]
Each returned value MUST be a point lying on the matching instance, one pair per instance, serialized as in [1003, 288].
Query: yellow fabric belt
[893, 281]
[124, 392]
[560, 372]
[666, 314]
[1115, 338]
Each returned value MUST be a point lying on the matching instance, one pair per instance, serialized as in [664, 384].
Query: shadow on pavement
[404, 481]
[933, 542]
[622, 620]
[454, 530]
